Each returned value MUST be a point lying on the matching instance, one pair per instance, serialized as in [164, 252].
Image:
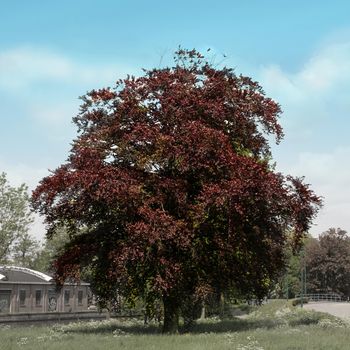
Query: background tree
[168, 191]
[15, 217]
[327, 262]
[51, 249]
[25, 251]
[289, 284]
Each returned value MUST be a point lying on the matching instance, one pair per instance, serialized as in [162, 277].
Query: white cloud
[46, 84]
[37, 229]
[329, 174]
[326, 167]
[53, 113]
[317, 89]
[19, 173]
[22, 66]
[316, 107]
[325, 69]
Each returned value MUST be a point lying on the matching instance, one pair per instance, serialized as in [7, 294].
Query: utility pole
[302, 287]
[303, 278]
[305, 288]
[287, 283]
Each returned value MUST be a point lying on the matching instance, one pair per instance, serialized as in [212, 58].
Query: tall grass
[277, 325]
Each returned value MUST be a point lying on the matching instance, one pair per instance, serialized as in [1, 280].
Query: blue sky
[53, 52]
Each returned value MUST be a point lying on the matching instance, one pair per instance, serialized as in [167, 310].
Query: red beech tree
[327, 263]
[168, 190]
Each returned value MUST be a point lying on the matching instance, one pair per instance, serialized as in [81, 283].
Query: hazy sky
[53, 52]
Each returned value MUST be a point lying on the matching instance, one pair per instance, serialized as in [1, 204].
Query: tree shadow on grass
[233, 325]
[137, 328]
[114, 325]
[271, 322]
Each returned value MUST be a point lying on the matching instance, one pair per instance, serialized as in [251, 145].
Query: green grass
[276, 325]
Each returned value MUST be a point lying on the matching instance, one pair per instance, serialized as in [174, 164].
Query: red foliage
[168, 188]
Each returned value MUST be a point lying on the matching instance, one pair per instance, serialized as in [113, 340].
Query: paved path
[337, 309]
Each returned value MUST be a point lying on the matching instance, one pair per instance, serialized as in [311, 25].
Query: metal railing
[323, 297]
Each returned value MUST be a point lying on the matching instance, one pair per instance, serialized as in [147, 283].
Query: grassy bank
[276, 325]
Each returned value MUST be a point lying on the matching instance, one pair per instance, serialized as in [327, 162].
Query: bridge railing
[323, 297]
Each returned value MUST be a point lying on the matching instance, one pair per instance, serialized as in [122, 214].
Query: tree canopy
[169, 190]
[327, 261]
[49, 251]
[15, 218]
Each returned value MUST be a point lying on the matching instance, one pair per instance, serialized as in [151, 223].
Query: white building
[24, 290]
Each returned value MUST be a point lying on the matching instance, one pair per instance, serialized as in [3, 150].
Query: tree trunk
[203, 311]
[108, 316]
[222, 305]
[171, 315]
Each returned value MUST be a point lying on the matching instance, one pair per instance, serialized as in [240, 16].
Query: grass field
[276, 325]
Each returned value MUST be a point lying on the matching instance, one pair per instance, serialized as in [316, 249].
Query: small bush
[303, 317]
[297, 301]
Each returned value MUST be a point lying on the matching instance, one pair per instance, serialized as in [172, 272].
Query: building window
[80, 297]
[22, 297]
[5, 300]
[66, 297]
[52, 298]
[38, 297]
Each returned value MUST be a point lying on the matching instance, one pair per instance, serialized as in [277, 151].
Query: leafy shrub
[297, 301]
[302, 317]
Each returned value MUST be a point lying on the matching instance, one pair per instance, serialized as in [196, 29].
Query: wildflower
[251, 345]
[22, 341]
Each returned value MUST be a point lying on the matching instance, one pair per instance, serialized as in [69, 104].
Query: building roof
[22, 273]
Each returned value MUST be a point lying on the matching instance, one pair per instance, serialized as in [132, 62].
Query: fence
[323, 297]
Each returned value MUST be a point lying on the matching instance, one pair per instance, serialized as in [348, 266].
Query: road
[337, 309]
